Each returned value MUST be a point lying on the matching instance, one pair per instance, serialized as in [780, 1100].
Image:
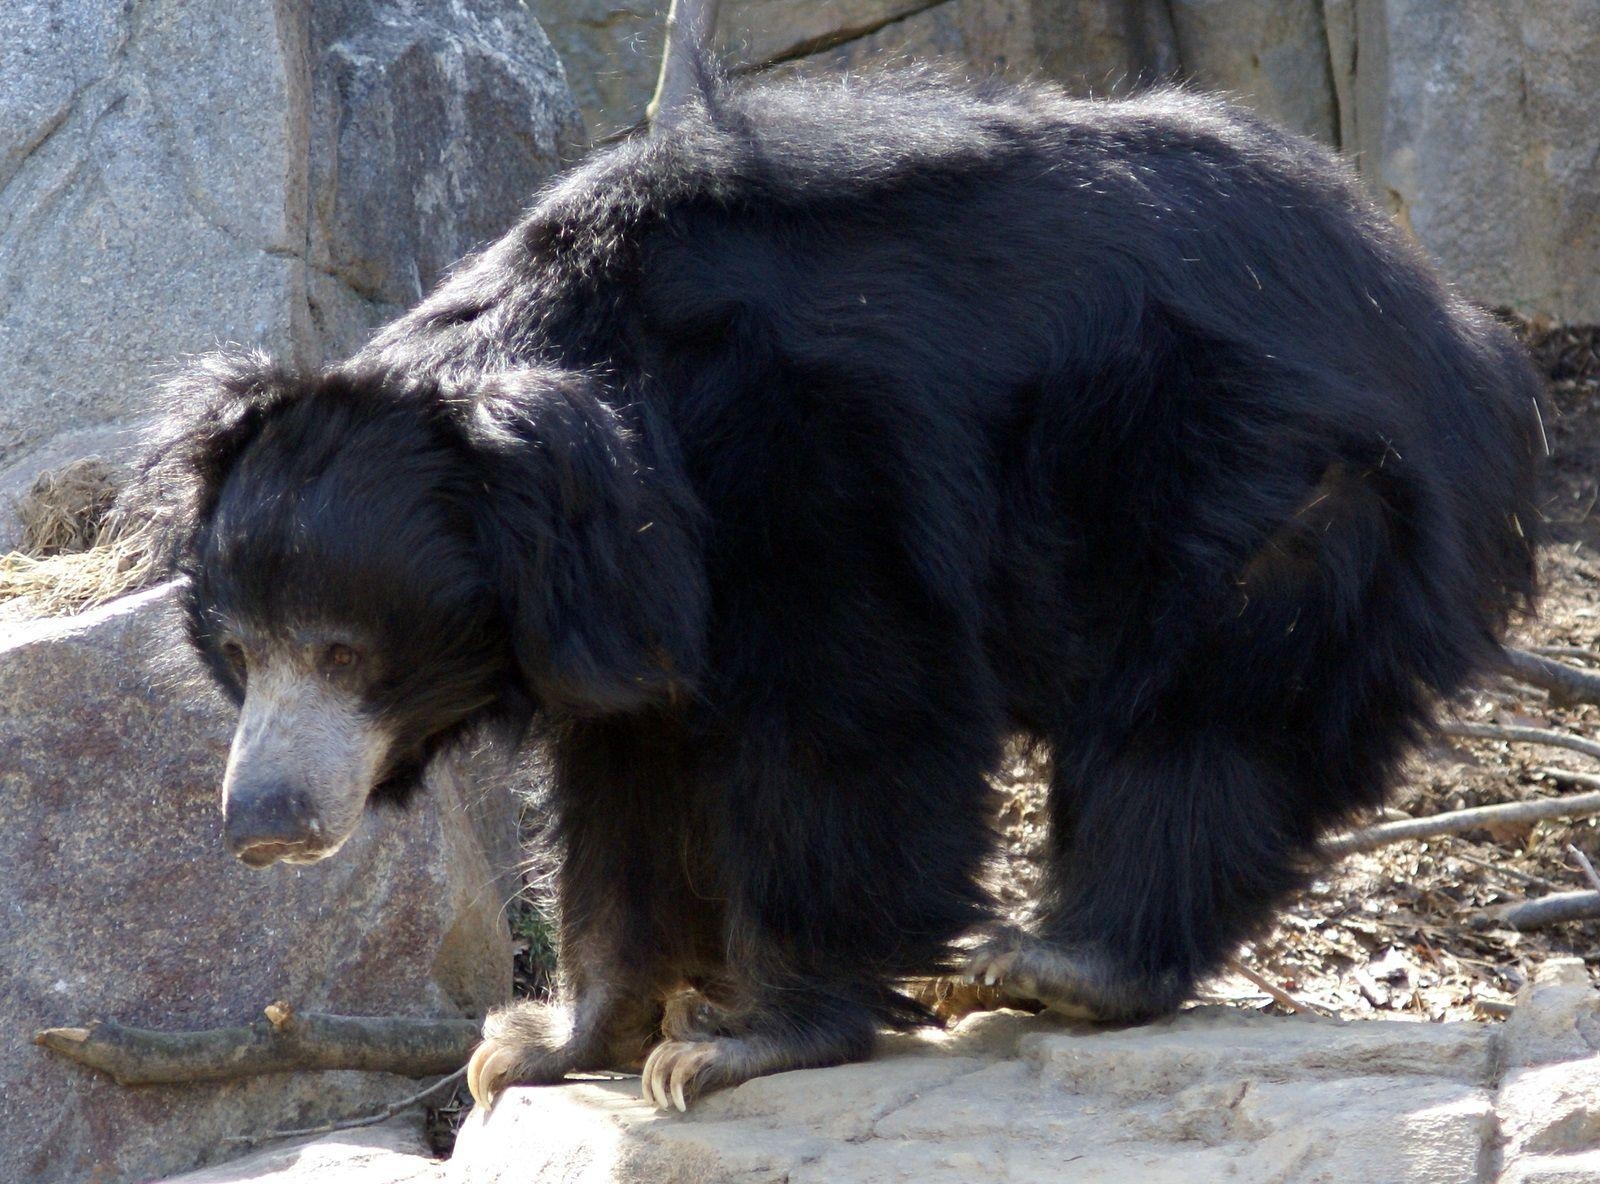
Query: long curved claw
[673, 1076]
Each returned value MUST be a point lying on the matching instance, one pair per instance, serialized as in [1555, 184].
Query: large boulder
[118, 901]
[1091, 47]
[1476, 123]
[177, 175]
[393, 1152]
[1215, 1094]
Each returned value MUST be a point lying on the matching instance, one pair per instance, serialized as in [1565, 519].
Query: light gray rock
[431, 128]
[1214, 1094]
[119, 901]
[1549, 1102]
[1272, 54]
[1475, 122]
[284, 174]
[144, 211]
[392, 1152]
[612, 50]
[1557, 1016]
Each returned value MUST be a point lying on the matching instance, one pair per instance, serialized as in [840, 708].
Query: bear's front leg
[630, 924]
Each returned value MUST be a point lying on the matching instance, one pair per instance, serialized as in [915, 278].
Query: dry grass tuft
[64, 509]
[69, 559]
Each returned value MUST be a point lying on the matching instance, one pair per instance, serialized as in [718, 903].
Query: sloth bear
[780, 465]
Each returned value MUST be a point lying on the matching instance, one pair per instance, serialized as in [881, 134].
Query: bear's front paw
[678, 1072]
[522, 1045]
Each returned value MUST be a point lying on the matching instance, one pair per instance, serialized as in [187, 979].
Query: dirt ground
[1394, 931]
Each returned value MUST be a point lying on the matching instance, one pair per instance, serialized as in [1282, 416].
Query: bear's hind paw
[1070, 980]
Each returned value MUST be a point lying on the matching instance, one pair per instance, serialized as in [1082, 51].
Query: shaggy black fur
[785, 462]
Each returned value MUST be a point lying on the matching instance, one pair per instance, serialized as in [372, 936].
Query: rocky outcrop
[118, 901]
[1476, 124]
[1273, 54]
[1473, 122]
[287, 174]
[1213, 1094]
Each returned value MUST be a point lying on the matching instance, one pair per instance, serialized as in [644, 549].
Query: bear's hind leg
[1169, 848]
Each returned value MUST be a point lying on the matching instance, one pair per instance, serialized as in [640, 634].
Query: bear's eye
[338, 655]
[233, 653]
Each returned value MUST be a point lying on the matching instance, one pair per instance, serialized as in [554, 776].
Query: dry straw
[70, 557]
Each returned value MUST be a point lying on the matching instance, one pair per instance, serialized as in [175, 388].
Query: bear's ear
[211, 412]
[593, 538]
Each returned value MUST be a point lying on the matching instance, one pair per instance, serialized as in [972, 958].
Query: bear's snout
[303, 763]
[263, 825]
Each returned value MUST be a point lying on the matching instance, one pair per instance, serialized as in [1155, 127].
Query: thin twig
[1566, 685]
[1454, 822]
[1278, 994]
[1547, 736]
[1569, 776]
[1588, 868]
[349, 1124]
[1510, 873]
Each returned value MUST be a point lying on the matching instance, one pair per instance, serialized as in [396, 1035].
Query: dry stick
[1522, 735]
[1564, 651]
[1271, 988]
[1588, 868]
[685, 58]
[1501, 869]
[1454, 822]
[280, 1042]
[1555, 909]
[350, 1124]
[1566, 685]
[1569, 776]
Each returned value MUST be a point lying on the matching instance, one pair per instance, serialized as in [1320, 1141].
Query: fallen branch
[1566, 685]
[1555, 909]
[350, 1124]
[278, 1043]
[1569, 776]
[1547, 736]
[1455, 822]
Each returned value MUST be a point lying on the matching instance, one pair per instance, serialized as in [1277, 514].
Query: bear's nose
[262, 825]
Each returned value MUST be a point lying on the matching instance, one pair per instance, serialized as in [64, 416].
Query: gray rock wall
[1476, 124]
[286, 173]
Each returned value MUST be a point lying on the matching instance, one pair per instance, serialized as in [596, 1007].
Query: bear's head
[379, 565]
